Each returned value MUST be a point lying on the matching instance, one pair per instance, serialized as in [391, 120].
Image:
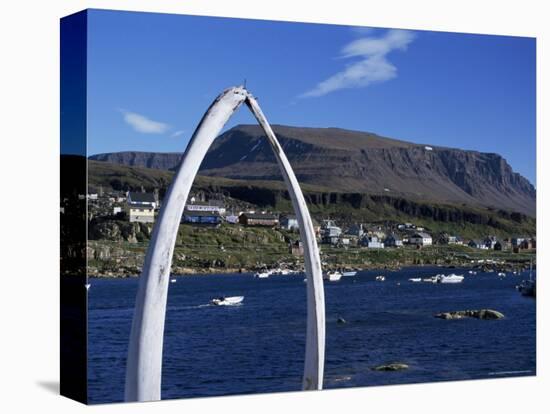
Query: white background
[29, 227]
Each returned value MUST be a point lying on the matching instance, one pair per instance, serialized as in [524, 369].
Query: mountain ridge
[355, 161]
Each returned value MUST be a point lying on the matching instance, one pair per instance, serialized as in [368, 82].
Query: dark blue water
[259, 346]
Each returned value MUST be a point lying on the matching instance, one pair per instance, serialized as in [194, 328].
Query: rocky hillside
[156, 160]
[468, 221]
[359, 162]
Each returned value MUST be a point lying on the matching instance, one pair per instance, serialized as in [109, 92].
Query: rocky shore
[486, 314]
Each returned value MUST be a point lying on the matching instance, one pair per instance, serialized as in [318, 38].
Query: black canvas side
[73, 190]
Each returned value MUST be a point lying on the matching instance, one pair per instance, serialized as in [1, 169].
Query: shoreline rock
[394, 366]
[484, 314]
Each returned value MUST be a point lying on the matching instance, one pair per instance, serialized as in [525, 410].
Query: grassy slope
[234, 247]
[121, 177]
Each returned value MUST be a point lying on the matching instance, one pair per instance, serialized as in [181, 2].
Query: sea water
[259, 346]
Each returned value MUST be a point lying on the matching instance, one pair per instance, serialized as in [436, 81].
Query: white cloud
[142, 124]
[373, 67]
[177, 133]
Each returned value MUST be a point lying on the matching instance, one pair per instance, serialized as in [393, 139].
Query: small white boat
[279, 272]
[501, 274]
[350, 273]
[332, 276]
[380, 278]
[432, 279]
[415, 279]
[264, 274]
[172, 280]
[87, 286]
[452, 278]
[227, 301]
[472, 272]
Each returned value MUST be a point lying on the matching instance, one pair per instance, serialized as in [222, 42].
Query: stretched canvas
[262, 206]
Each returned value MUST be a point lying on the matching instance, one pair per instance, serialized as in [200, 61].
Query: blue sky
[152, 76]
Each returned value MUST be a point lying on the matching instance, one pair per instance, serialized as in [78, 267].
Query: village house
[393, 241]
[232, 218]
[289, 222]
[457, 240]
[477, 244]
[352, 240]
[516, 241]
[527, 244]
[216, 206]
[258, 219]
[490, 242]
[406, 226]
[141, 207]
[445, 238]
[523, 243]
[372, 242]
[201, 217]
[330, 232]
[344, 241]
[377, 231]
[420, 239]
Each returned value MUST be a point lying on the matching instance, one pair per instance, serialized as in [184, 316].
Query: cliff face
[359, 162]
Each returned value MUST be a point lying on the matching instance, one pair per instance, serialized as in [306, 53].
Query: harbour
[369, 323]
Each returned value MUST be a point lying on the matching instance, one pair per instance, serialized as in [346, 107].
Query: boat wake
[189, 307]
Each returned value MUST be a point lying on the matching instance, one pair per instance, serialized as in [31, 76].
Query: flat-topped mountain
[352, 161]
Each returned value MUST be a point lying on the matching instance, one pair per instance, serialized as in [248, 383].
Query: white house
[232, 218]
[421, 239]
[289, 222]
[330, 232]
[372, 242]
[212, 207]
[141, 207]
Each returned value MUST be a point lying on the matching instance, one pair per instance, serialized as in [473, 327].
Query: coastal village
[337, 240]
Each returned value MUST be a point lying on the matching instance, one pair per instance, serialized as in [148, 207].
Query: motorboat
[501, 274]
[415, 279]
[432, 279]
[264, 274]
[472, 272]
[227, 301]
[279, 272]
[452, 278]
[350, 273]
[380, 278]
[334, 276]
[172, 280]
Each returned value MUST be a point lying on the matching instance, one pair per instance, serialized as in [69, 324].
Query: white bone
[144, 362]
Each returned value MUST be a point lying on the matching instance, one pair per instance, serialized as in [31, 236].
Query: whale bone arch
[144, 360]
